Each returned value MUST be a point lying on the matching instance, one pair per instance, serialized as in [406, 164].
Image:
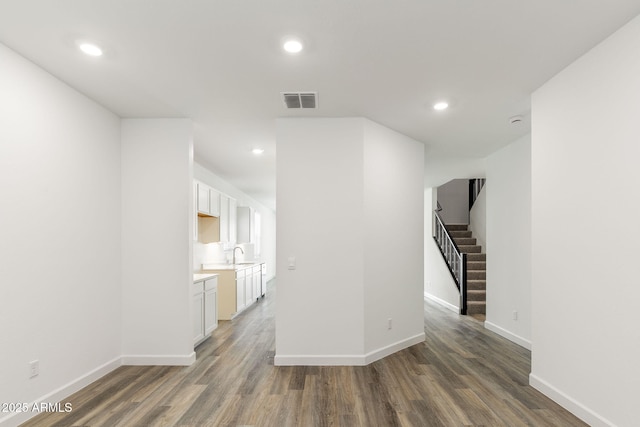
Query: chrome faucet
[234, 253]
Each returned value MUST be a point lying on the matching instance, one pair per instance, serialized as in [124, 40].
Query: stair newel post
[463, 284]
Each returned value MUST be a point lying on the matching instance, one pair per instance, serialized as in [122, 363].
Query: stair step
[476, 274]
[452, 227]
[476, 285]
[464, 240]
[476, 265]
[476, 295]
[477, 257]
[460, 233]
[476, 307]
[469, 249]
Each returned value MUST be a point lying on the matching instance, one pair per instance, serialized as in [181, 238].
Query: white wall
[508, 246]
[478, 219]
[585, 210]
[439, 285]
[454, 200]
[320, 199]
[268, 218]
[326, 213]
[157, 203]
[60, 226]
[393, 237]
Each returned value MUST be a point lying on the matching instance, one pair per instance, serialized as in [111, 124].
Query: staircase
[476, 268]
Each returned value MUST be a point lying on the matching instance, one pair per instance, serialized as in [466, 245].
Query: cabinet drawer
[197, 288]
[211, 284]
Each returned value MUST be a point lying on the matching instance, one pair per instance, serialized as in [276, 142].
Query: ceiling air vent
[300, 99]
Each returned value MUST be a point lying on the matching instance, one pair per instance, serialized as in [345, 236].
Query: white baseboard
[67, 390]
[442, 302]
[347, 360]
[576, 408]
[393, 348]
[152, 360]
[522, 342]
[62, 393]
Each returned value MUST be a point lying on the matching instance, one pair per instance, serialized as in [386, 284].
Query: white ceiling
[221, 64]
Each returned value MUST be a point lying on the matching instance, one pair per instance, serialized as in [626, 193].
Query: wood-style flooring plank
[462, 375]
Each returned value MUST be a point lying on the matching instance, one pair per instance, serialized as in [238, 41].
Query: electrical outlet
[389, 323]
[34, 368]
[515, 315]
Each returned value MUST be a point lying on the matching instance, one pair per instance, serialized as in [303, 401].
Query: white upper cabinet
[227, 219]
[233, 208]
[224, 218]
[214, 202]
[208, 200]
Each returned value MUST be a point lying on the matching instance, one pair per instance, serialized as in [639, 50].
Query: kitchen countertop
[230, 266]
[201, 277]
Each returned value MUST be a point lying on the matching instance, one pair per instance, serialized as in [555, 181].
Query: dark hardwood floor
[462, 375]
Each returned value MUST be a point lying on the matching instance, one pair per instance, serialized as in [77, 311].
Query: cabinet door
[198, 314]
[233, 207]
[248, 296]
[214, 202]
[240, 291]
[210, 306]
[257, 274]
[224, 218]
[203, 199]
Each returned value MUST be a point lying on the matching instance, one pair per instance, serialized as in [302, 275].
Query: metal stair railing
[456, 260]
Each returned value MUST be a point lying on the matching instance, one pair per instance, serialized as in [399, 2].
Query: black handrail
[455, 259]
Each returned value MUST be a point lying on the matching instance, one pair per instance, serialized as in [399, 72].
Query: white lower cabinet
[241, 302]
[257, 278]
[198, 313]
[210, 305]
[248, 286]
[205, 309]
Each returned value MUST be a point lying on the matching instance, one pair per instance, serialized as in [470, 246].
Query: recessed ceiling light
[90, 49]
[439, 106]
[292, 46]
[257, 151]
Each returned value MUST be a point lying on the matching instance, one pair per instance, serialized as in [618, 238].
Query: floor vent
[300, 99]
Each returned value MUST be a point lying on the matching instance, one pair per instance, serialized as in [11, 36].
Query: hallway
[462, 374]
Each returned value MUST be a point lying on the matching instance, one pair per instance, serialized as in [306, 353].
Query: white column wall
[351, 215]
[508, 247]
[585, 175]
[319, 305]
[157, 203]
[60, 247]
[393, 240]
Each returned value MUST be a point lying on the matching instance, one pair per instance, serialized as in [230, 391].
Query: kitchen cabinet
[228, 208]
[224, 218]
[241, 301]
[204, 302]
[198, 313]
[208, 200]
[256, 282]
[237, 288]
[233, 208]
[210, 305]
